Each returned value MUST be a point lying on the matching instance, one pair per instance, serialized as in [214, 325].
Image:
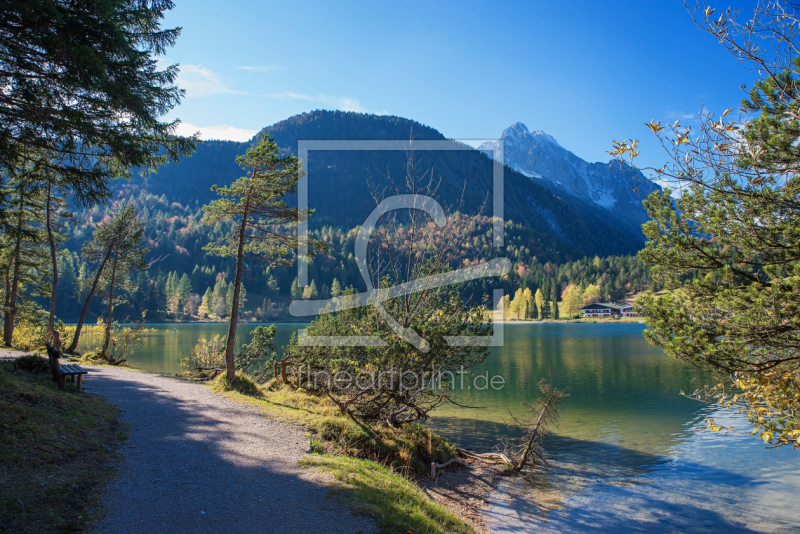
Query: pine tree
[255, 205]
[539, 300]
[218, 307]
[295, 290]
[23, 253]
[728, 246]
[184, 291]
[121, 245]
[229, 299]
[313, 294]
[554, 294]
[272, 285]
[336, 289]
[82, 91]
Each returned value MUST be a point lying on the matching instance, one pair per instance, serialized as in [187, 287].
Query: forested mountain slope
[546, 237]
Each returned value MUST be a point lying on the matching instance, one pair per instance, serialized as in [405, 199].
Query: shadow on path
[197, 462]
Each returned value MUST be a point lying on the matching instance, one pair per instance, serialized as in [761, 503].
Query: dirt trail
[198, 462]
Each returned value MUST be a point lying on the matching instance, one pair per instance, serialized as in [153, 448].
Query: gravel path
[198, 462]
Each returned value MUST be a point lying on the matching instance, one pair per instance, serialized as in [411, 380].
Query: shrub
[207, 354]
[30, 335]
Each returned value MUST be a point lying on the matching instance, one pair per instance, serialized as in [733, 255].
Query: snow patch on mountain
[538, 156]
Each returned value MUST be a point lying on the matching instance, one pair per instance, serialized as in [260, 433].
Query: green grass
[395, 502]
[57, 450]
[368, 461]
[410, 449]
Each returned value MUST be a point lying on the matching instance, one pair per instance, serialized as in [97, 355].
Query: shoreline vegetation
[384, 471]
[504, 321]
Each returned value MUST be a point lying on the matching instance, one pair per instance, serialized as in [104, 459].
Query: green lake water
[630, 453]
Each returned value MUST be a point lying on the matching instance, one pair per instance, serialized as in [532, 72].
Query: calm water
[629, 454]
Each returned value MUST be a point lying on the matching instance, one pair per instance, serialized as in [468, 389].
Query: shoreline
[465, 491]
[503, 322]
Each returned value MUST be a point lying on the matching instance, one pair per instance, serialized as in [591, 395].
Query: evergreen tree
[121, 244]
[295, 290]
[554, 294]
[539, 300]
[336, 288]
[528, 296]
[183, 291]
[312, 290]
[272, 286]
[218, 305]
[23, 254]
[728, 248]
[82, 92]
[206, 304]
[112, 241]
[229, 299]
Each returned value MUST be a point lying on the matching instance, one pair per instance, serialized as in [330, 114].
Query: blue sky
[586, 72]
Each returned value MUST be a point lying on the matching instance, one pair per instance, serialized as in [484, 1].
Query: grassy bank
[57, 452]
[374, 465]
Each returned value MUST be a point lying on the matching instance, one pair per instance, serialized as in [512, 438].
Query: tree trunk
[231, 341]
[52, 243]
[533, 435]
[11, 309]
[7, 295]
[107, 340]
[73, 346]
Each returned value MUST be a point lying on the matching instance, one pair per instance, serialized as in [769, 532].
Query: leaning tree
[400, 350]
[116, 250]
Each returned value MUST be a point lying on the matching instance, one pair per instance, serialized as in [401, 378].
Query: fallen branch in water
[544, 412]
[435, 466]
[489, 457]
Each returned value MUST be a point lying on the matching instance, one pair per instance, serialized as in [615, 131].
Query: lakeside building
[605, 309]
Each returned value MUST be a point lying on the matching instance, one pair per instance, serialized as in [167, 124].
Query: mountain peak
[517, 132]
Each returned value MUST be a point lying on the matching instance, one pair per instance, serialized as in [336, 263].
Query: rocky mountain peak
[538, 156]
[518, 134]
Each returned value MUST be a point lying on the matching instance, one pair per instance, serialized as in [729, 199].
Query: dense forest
[554, 243]
[184, 283]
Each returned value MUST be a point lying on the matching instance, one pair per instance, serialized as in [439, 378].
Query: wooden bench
[62, 371]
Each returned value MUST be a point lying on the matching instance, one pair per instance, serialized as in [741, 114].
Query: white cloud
[345, 103]
[262, 68]
[679, 115]
[223, 132]
[200, 81]
[289, 94]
